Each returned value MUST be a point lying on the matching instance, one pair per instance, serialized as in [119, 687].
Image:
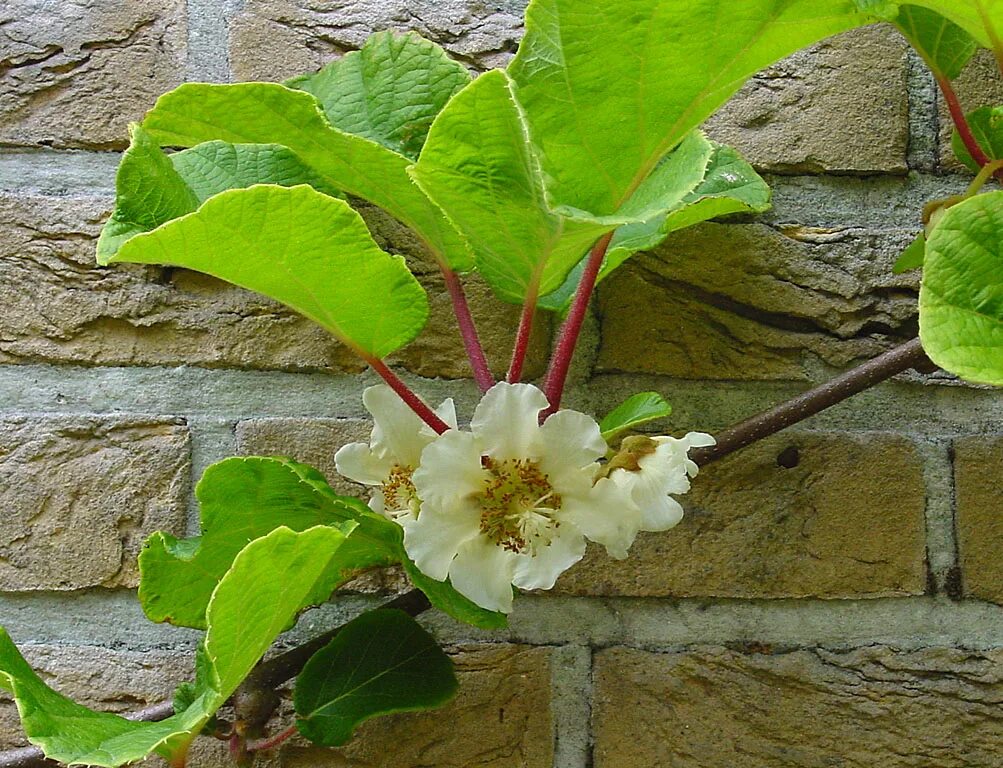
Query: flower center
[399, 494]
[518, 504]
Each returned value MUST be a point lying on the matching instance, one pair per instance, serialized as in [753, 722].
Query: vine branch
[255, 700]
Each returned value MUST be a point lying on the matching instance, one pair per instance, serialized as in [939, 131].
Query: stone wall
[832, 596]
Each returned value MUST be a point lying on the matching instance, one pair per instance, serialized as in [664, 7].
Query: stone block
[798, 515]
[839, 106]
[74, 74]
[979, 515]
[80, 494]
[276, 39]
[979, 85]
[747, 302]
[713, 707]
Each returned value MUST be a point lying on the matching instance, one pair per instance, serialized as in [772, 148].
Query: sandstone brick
[839, 106]
[979, 85]
[75, 74]
[843, 518]
[711, 707]
[80, 494]
[744, 301]
[276, 39]
[979, 498]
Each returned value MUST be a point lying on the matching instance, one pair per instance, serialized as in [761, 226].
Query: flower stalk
[468, 330]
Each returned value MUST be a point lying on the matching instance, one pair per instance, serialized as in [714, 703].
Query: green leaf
[269, 113]
[729, 185]
[987, 128]
[912, 257]
[609, 88]
[380, 663]
[243, 499]
[154, 188]
[389, 91]
[945, 47]
[633, 412]
[443, 596]
[961, 298]
[310, 251]
[982, 19]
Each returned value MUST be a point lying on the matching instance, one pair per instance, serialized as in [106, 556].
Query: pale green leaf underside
[633, 412]
[609, 89]
[389, 91]
[982, 19]
[987, 128]
[945, 47]
[242, 499]
[153, 188]
[961, 298]
[269, 113]
[303, 248]
[380, 663]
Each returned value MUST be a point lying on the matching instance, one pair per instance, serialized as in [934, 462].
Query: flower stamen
[517, 504]
[399, 494]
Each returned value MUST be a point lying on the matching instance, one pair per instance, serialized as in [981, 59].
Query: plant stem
[988, 171]
[522, 336]
[414, 402]
[568, 339]
[961, 122]
[468, 331]
[273, 741]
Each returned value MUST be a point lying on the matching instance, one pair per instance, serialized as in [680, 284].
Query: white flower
[657, 467]
[512, 501]
[394, 450]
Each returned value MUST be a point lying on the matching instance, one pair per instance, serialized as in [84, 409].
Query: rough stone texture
[979, 85]
[979, 515]
[276, 39]
[80, 494]
[726, 301]
[844, 520]
[839, 106]
[713, 707]
[75, 73]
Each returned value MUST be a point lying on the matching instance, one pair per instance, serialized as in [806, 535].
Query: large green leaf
[982, 19]
[270, 582]
[633, 412]
[380, 663]
[729, 185]
[961, 298]
[945, 47]
[388, 91]
[242, 499]
[153, 188]
[987, 128]
[269, 113]
[608, 88]
[306, 249]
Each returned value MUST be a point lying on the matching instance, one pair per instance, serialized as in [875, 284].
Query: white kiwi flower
[513, 501]
[389, 460]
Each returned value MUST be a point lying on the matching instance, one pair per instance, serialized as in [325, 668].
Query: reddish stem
[468, 331]
[961, 122]
[414, 402]
[565, 349]
[522, 336]
[273, 741]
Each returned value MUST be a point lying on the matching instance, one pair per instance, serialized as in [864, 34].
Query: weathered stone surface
[979, 85]
[80, 494]
[727, 301]
[799, 515]
[712, 707]
[75, 73]
[107, 680]
[838, 106]
[979, 515]
[276, 39]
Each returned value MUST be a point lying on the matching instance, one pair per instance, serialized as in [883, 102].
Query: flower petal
[506, 420]
[663, 513]
[540, 570]
[433, 539]
[608, 516]
[357, 462]
[570, 439]
[482, 572]
[450, 469]
[399, 432]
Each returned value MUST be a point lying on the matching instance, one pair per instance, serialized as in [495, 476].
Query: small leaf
[945, 47]
[443, 596]
[987, 128]
[961, 298]
[269, 113]
[389, 91]
[378, 664]
[633, 412]
[912, 257]
[310, 251]
[243, 499]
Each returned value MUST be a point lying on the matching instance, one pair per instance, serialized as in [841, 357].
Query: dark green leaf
[442, 596]
[945, 47]
[912, 257]
[987, 128]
